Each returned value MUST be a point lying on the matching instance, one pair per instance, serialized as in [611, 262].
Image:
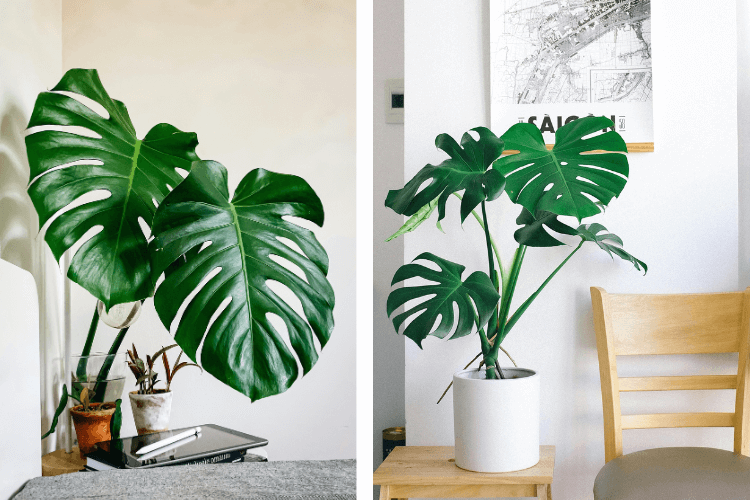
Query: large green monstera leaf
[65, 165]
[466, 169]
[610, 243]
[570, 179]
[447, 288]
[236, 240]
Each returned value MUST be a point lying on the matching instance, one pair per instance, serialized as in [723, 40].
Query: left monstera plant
[97, 186]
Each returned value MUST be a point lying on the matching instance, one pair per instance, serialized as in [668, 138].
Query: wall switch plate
[394, 100]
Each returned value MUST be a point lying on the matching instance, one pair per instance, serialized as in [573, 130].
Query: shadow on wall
[18, 221]
[19, 245]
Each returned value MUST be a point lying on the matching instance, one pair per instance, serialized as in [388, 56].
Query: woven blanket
[295, 480]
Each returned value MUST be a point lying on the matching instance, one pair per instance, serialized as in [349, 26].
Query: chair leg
[385, 492]
[542, 491]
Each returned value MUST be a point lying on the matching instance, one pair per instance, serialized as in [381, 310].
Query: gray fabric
[331, 480]
[675, 474]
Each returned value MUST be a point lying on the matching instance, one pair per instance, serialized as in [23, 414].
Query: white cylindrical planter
[496, 422]
[151, 411]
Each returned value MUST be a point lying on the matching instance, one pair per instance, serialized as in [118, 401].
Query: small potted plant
[151, 406]
[92, 421]
[496, 410]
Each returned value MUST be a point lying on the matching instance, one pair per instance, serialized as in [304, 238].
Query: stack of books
[207, 444]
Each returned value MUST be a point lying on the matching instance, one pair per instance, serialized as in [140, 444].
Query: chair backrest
[628, 324]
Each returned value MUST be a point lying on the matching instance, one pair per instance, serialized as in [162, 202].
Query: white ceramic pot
[496, 422]
[151, 411]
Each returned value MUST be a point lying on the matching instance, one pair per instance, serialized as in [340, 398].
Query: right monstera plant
[145, 208]
[578, 177]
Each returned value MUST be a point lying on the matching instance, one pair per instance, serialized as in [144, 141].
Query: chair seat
[675, 474]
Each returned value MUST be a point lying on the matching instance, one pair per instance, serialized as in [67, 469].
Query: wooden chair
[673, 324]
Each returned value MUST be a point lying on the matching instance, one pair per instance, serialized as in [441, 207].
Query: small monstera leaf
[568, 180]
[114, 264]
[533, 234]
[416, 220]
[466, 169]
[448, 288]
[610, 243]
[237, 241]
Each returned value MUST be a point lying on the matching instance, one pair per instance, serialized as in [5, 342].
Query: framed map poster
[553, 61]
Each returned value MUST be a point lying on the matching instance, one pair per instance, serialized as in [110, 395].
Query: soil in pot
[151, 411]
[92, 426]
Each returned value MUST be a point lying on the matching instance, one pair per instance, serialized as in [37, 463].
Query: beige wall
[30, 58]
[264, 84]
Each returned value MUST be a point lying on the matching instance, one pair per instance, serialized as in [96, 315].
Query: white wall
[679, 213]
[30, 61]
[388, 168]
[264, 84]
[743, 132]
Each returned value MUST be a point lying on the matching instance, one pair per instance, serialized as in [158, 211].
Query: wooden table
[430, 471]
[58, 462]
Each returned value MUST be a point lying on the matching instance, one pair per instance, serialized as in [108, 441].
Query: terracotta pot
[92, 426]
[151, 411]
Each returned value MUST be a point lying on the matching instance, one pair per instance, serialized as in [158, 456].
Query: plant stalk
[522, 308]
[492, 241]
[81, 370]
[107, 365]
[508, 297]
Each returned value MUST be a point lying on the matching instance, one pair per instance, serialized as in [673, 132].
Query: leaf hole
[278, 324]
[429, 264]
[289, 266]
[182, 172]
[529, 182]
[299, 221]
[90, 161]
[91, 197]
[288, 296]
[291, 244]
[608, 171]
[591, 197]
[188, 299]
[145, 229]
[224, 304]
[86, 101]
[548, 186]
[205, 245]
[583, 179]
[519, 169]
[68, 129]
[82, 241]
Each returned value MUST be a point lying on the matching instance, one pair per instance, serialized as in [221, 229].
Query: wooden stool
[430, 471]
[58, 462]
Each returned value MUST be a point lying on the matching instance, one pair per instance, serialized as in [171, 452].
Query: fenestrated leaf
[448, 288]
[573, 172]
[532, 234]
[415, 220]
[114, 264]
[466, 169]
[241, 347]
[610, 243]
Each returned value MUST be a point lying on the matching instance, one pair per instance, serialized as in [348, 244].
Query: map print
[573, 51]
[568, 53]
